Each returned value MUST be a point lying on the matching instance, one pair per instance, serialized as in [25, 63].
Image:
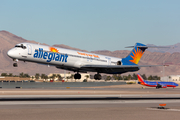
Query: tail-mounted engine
[119, 63]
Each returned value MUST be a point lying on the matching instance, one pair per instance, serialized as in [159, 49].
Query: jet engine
[119, 63]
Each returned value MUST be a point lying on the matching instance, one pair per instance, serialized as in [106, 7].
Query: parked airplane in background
[78, 61]
[161, 84]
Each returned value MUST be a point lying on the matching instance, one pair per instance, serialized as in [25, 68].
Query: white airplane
[78, 61]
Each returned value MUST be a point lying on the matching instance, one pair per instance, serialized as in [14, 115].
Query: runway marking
[86, 102]
[114, 95]
[67, 96]
[176, 110]
[74, 91]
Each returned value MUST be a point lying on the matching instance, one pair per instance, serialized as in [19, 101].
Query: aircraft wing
[118, 66]
[115, 69]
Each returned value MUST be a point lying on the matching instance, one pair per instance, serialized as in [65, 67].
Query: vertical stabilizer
[140, 79]
[135, 55]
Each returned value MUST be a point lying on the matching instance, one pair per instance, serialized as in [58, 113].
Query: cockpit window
[17, 46]
[21, 46]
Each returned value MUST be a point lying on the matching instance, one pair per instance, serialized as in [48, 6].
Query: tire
[15, 65]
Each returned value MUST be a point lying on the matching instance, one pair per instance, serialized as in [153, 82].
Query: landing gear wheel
[77, 76]
[15, 65]
[97, 76]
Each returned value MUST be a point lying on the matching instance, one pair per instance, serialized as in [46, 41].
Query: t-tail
[135, 55]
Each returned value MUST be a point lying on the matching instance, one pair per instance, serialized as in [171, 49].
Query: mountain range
[151, 57]
[169, 48]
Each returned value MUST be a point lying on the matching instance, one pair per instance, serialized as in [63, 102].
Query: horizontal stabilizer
[147, 46]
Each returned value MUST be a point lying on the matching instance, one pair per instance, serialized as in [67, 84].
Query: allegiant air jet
[78, 61]
[161, 84]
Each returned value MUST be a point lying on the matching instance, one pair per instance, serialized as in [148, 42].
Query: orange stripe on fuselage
[90, 55]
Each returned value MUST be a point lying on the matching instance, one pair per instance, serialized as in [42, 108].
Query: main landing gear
[77, 76]
[97, 76]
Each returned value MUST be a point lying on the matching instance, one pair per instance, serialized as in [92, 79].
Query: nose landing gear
[15, 64]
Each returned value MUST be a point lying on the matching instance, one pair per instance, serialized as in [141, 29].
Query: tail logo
[141, 80]
[137, 54]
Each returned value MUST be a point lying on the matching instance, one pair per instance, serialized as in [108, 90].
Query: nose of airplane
[10, 53]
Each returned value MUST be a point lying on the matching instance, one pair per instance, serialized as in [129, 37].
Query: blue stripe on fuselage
[161, 83]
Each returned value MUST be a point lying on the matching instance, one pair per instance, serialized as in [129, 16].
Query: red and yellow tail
[140, 79]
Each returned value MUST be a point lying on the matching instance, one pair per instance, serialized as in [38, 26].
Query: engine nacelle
[161, 86]
[119, 63]
[164, 86]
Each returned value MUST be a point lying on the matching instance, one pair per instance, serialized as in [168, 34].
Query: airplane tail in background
[135, 55]
[140, 79]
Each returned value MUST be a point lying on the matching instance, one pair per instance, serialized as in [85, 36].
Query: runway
[90, 110]
[124, 102]
[55, 85]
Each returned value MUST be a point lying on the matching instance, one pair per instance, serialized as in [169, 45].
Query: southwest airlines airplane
[156, 84]
[78, 61]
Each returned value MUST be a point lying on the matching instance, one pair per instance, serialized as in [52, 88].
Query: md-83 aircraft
[78, 61]
[161, 84]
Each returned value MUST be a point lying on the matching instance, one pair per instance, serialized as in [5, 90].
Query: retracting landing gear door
[29, 49]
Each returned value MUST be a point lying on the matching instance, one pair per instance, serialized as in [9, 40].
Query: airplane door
[29, 49]
[108, 61]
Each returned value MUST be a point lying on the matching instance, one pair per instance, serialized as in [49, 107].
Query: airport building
[11, 79]
[173, 78]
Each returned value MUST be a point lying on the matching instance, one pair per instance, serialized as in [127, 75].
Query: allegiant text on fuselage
[50, 55]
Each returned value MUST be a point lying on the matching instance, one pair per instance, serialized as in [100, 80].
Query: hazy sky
[93, 24]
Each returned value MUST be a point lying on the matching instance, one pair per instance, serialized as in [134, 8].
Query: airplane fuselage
[154, 84]
[59, 57]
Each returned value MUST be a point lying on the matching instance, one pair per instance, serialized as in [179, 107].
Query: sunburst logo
[54, 50]
[137, 54]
